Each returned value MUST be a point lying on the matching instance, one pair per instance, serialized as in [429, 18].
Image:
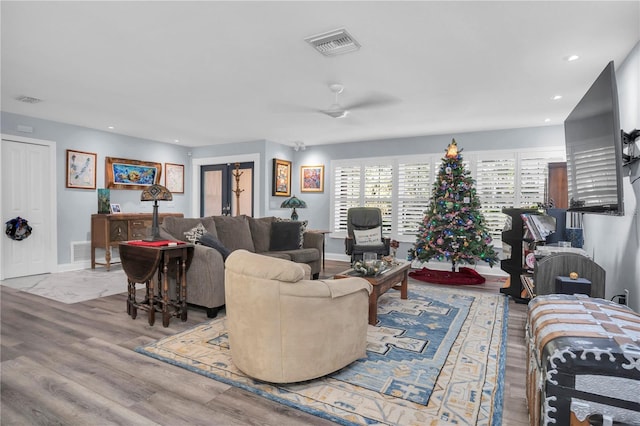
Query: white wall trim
[196, 166]
[53, 262]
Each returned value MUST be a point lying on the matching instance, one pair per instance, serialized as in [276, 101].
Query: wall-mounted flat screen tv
[594, 149]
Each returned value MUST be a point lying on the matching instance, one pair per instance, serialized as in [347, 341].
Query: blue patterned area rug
[435, 358]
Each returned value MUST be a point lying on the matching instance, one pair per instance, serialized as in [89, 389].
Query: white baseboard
[85, 264]
[76, 266]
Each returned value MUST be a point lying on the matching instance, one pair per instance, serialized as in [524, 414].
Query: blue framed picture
[121, 173]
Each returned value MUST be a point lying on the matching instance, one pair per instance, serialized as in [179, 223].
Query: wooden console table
[141, 263]
[108, 230]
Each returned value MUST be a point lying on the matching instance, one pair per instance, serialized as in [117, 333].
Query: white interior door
[26, 193]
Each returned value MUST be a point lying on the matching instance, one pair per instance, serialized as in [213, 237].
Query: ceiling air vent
[333, 43]
[28, 99]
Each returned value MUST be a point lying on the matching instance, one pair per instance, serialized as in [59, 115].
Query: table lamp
[293, 203]
[154, 193]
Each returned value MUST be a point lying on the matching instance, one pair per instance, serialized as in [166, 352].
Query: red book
[160, 243]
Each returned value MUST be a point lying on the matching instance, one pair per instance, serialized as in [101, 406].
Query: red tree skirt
[465, 276]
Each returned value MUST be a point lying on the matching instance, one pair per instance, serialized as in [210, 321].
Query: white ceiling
[214, 72]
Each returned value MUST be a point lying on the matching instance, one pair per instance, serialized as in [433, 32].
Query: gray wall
[75, 206]
[614, 241]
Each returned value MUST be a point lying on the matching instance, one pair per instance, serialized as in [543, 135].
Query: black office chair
[361, 219]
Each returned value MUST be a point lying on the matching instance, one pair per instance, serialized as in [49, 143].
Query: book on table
[160, 243]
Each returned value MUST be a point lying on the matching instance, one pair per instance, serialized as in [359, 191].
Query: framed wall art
[281, 178]
[81, 169]
[312, 178]
[121, 173]
[174, 177]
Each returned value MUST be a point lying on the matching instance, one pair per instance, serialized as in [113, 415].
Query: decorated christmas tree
[453, 227]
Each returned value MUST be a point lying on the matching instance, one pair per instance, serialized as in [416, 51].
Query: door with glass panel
[226, 189]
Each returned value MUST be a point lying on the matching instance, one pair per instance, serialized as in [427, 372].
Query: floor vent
[334, 42]
[80, 251]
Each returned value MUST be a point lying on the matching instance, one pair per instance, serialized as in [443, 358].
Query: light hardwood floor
[75, 365]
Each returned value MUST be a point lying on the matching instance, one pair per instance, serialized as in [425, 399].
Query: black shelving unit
[514, 265]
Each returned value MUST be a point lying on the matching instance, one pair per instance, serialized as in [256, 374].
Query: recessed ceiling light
[111, 127]
[176, 140]
[547, 120]
[557, 97]
[572, 58]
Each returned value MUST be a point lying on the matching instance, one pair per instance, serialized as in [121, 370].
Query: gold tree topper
[452, 149]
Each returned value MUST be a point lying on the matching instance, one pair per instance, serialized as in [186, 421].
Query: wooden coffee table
[395, 278]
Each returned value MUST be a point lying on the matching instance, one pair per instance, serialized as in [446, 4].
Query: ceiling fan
[336, 110]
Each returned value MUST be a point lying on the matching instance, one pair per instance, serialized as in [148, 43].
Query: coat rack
[236, 174]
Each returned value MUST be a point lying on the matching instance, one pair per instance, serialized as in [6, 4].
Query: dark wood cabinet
[557, 185]
[108, 230]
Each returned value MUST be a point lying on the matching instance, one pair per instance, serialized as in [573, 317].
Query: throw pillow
[368, 237]
[261, 232]
[210, 241]
[285, 236]
[234, 232]
[303, 228]
[194, 233]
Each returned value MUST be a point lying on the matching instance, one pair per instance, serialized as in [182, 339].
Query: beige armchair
[284, 328]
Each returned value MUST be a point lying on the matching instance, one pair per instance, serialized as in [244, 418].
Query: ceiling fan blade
[375, 100]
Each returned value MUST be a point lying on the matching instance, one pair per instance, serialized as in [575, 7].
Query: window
[346, 194]
[415, 180]
[378, 190]
[495, 186]
[401, 187]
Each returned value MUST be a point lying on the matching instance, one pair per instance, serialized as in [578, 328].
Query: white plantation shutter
[533, 180]
[596, 179]
[415, 181]
[346, 194]
[401, 186]
[495, 186]
[378, 191]
[533, 174]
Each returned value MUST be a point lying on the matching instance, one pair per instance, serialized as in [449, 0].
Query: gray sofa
[205, 278]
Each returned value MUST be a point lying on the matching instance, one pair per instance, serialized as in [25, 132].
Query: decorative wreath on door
[18, 229]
